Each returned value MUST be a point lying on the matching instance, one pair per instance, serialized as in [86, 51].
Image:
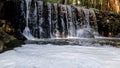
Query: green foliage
[85, 3]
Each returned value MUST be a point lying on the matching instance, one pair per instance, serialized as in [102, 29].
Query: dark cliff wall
[1, 5]
[11, 12]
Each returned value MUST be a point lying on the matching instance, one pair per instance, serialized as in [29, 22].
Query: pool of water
[53, 56]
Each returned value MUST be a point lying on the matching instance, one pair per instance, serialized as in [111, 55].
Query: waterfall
[26, 31]
[52, 20]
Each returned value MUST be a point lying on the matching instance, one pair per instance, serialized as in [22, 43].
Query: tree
[114, 5]
[106, 5]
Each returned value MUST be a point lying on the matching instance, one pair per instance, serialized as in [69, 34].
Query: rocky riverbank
[7, 41]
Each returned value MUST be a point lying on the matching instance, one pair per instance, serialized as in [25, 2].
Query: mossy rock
[5, 37]
[8, 42]
[14, 43]
[1, 46]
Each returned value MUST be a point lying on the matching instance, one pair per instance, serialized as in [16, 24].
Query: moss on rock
[7, 41]
[14, 43]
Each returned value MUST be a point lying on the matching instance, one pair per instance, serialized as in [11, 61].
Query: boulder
[5, 37]
[7, 41]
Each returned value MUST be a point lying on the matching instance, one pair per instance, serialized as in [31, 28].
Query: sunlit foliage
[106, 5]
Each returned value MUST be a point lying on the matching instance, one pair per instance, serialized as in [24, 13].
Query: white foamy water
[50, 56]
[52, 20]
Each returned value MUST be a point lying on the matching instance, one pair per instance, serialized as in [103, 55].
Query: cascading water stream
[47, 20]
[26, 31]
[40, 20]
[49, 15]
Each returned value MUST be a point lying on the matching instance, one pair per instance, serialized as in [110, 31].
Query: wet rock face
[48, 20]
[108, 22]
[118, 35]
[11, 12]
[85, 33]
